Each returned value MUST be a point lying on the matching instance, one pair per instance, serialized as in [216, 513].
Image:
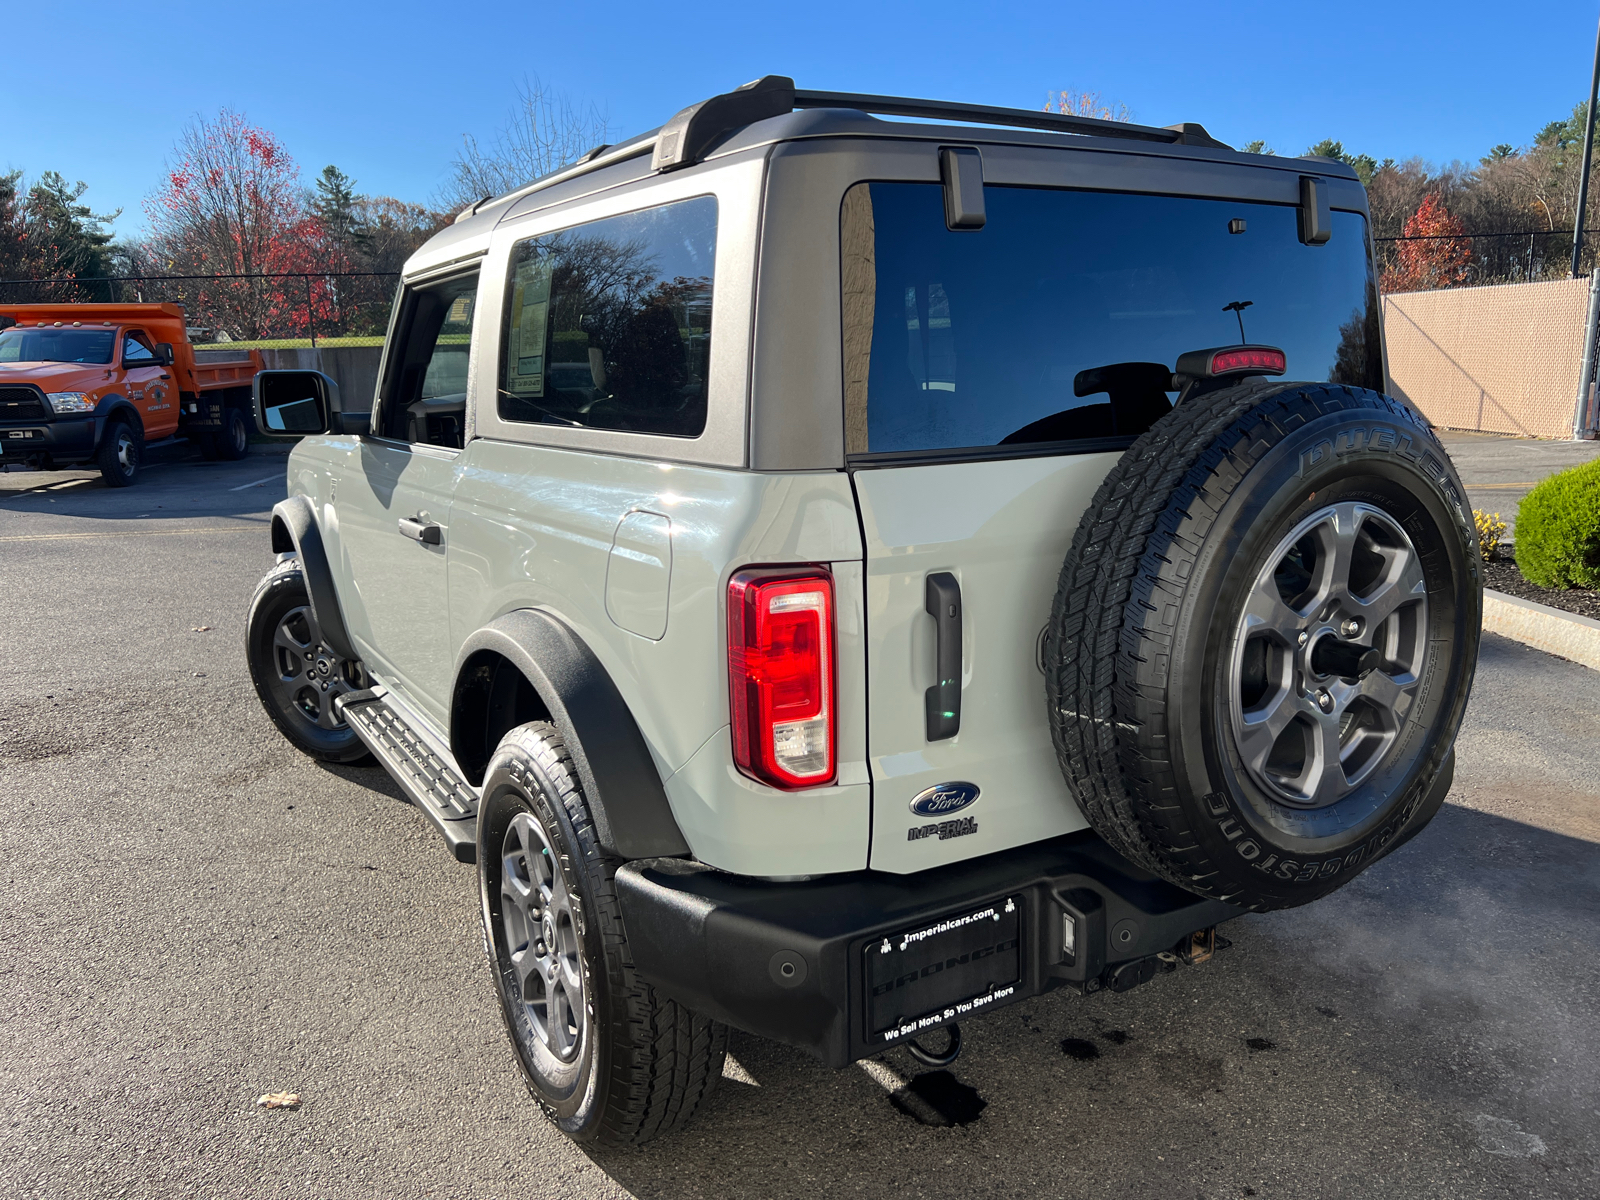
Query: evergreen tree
[335, 205]
[1364, 165]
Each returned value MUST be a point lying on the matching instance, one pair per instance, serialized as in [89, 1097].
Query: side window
[426, 400]
[135, 353]
[608, 325]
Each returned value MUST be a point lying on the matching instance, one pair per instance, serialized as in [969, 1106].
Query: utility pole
[1588, 157]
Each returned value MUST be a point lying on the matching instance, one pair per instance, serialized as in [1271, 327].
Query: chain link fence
[1507, 256]
[284, 309]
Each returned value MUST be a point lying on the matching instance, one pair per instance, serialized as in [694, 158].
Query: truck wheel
[233, 442]
[120, 454]
[1263, 640]
[606, 1057]
[296, 676]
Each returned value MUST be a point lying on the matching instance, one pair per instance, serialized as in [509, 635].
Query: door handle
[429, 533]
[943, 699]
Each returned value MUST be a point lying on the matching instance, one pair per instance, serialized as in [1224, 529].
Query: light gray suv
[837, 576]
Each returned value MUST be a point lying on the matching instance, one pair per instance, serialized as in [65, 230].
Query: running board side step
[429, 781]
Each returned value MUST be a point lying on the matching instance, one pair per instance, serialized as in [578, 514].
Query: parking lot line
[257, 483]
[59, 537]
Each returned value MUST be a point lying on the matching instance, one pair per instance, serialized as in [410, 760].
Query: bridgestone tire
[121, 453]
[641, 1065]
[299, 703]
[1155, 627]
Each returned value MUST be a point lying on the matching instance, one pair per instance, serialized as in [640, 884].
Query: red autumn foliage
[1440, 258]
[232, 204]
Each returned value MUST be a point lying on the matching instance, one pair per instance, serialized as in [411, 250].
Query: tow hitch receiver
[1199, 946]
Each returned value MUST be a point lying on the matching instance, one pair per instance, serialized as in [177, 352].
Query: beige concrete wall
[1502, 359]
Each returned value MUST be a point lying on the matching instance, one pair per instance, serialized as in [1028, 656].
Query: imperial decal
[944, 830]
[943, 799]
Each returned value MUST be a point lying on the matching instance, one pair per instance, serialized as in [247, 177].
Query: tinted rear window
[957, 340]
[608, 325]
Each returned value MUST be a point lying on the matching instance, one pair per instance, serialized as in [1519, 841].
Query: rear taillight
[780, 674]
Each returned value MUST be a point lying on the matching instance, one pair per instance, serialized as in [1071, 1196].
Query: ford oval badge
[942, 799]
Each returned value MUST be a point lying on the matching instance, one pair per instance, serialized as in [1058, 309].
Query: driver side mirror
[290, 402]
[164, 353]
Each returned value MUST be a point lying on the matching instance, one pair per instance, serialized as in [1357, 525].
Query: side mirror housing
[291, 402]
[164, 354]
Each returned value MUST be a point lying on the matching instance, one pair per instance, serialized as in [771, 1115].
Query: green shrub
[1558, 530]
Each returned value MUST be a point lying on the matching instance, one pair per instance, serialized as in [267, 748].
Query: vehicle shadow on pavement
[1432, 1028]
[180, 484]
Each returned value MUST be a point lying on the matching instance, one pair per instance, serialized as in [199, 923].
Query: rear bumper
[62, 438]
[791, 961]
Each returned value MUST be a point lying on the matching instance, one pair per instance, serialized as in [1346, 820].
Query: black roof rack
[684, 139]
[1186, 134]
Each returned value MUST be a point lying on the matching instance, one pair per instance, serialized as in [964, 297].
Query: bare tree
[544, 132]
[1077, 103]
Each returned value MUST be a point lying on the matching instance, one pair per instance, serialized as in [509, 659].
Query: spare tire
[1263, 640]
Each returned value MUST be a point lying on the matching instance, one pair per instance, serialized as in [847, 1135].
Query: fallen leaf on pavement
[279, 1100]
[201, 629]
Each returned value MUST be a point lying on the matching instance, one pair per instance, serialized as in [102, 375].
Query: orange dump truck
[92, 383]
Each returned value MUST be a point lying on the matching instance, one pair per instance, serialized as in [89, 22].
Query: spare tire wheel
[1263, 640]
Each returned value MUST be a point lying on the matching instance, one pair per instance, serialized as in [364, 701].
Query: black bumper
[798, 962]
[63, 439]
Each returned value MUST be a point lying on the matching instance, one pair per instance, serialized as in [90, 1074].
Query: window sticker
[530, 318]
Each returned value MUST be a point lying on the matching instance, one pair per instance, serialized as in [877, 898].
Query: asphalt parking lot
[196, 915]
[1499, 471]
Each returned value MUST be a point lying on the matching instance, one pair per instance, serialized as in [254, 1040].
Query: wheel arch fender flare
[632, 816]
[111, 408]
[295, 528]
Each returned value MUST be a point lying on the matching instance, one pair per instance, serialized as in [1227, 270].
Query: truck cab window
[135, 353]
[426, 397]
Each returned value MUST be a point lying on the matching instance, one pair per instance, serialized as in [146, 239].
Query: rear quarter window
[956, 340]
[608, 324]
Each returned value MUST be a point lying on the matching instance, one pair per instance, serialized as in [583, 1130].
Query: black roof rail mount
[684, 139]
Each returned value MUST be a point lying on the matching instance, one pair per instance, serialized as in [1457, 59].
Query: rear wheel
[233, 442]
[121, 453]
[606, 1057]
[297, 677]
[1263, 641]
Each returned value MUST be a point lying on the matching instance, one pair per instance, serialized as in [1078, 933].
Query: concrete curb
[1542, 627]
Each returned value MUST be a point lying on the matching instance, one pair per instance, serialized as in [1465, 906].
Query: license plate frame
[954, 966]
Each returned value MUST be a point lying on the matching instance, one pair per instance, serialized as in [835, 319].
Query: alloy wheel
[542, 938]
[1328, 655]
[308, 676]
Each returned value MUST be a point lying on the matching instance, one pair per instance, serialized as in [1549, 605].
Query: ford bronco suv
[836, 577]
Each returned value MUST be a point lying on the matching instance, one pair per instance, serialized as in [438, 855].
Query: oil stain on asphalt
[1080, 1048]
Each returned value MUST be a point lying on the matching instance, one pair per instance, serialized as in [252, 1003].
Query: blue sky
[386, 91]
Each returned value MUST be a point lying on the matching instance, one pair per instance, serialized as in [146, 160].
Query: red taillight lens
[780, 675]
[1255, 358]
